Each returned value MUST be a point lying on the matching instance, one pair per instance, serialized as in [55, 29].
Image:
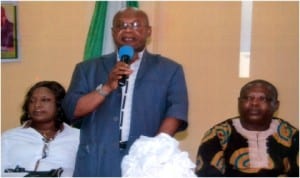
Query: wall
[52, 36]
[202, 36]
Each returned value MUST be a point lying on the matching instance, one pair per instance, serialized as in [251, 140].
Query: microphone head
[126, 50]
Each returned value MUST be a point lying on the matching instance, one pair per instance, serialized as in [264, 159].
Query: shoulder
[160, 59]
[285, 123]
[161, 66]
[13, 132]
[225, 124]
[70, 130]
[285, 127]
[101, 59]
[286, 134]
[19, 134]
[69, 134]
[221, 130]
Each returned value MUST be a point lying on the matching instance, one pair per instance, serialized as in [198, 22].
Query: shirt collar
[28, 123]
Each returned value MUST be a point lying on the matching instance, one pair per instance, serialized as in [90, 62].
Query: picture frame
[10, 46]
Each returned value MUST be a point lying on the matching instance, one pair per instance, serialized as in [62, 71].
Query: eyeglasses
[132, 25]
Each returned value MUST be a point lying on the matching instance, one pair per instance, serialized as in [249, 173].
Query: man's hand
[120, 69]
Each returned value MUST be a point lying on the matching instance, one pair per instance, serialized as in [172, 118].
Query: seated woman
[253, 144]
[44, 141]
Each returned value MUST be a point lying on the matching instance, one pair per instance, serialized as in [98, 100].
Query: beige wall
[202, 36]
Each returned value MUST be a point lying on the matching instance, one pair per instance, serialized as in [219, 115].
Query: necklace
[48, 135]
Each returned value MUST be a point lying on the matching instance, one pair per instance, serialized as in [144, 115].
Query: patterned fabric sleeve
[210, 161]
[294, 156]
[287, 139]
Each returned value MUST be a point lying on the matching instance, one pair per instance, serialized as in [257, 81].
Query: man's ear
[276, 105]
[149, 31]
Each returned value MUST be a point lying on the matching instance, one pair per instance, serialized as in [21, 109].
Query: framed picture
[9, 32]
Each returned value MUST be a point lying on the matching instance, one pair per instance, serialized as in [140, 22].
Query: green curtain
[132, 4]
[93, 46]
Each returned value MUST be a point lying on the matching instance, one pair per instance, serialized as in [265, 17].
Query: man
[156, 98]
[253, 144]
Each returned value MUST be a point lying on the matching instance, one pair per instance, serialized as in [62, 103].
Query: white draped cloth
[158, 157]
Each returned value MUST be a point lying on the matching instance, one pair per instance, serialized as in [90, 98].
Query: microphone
[125, 53]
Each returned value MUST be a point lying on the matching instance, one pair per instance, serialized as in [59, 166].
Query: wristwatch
[100, 90]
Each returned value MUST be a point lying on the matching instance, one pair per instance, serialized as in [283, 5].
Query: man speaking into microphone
[119, 100]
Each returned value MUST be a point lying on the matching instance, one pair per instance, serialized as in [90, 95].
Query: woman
[44, 141]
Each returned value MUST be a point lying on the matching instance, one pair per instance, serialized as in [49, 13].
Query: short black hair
[268, 85]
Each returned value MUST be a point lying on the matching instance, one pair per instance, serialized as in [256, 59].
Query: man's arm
[90, 102]
[210, 156]
[170, 126]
